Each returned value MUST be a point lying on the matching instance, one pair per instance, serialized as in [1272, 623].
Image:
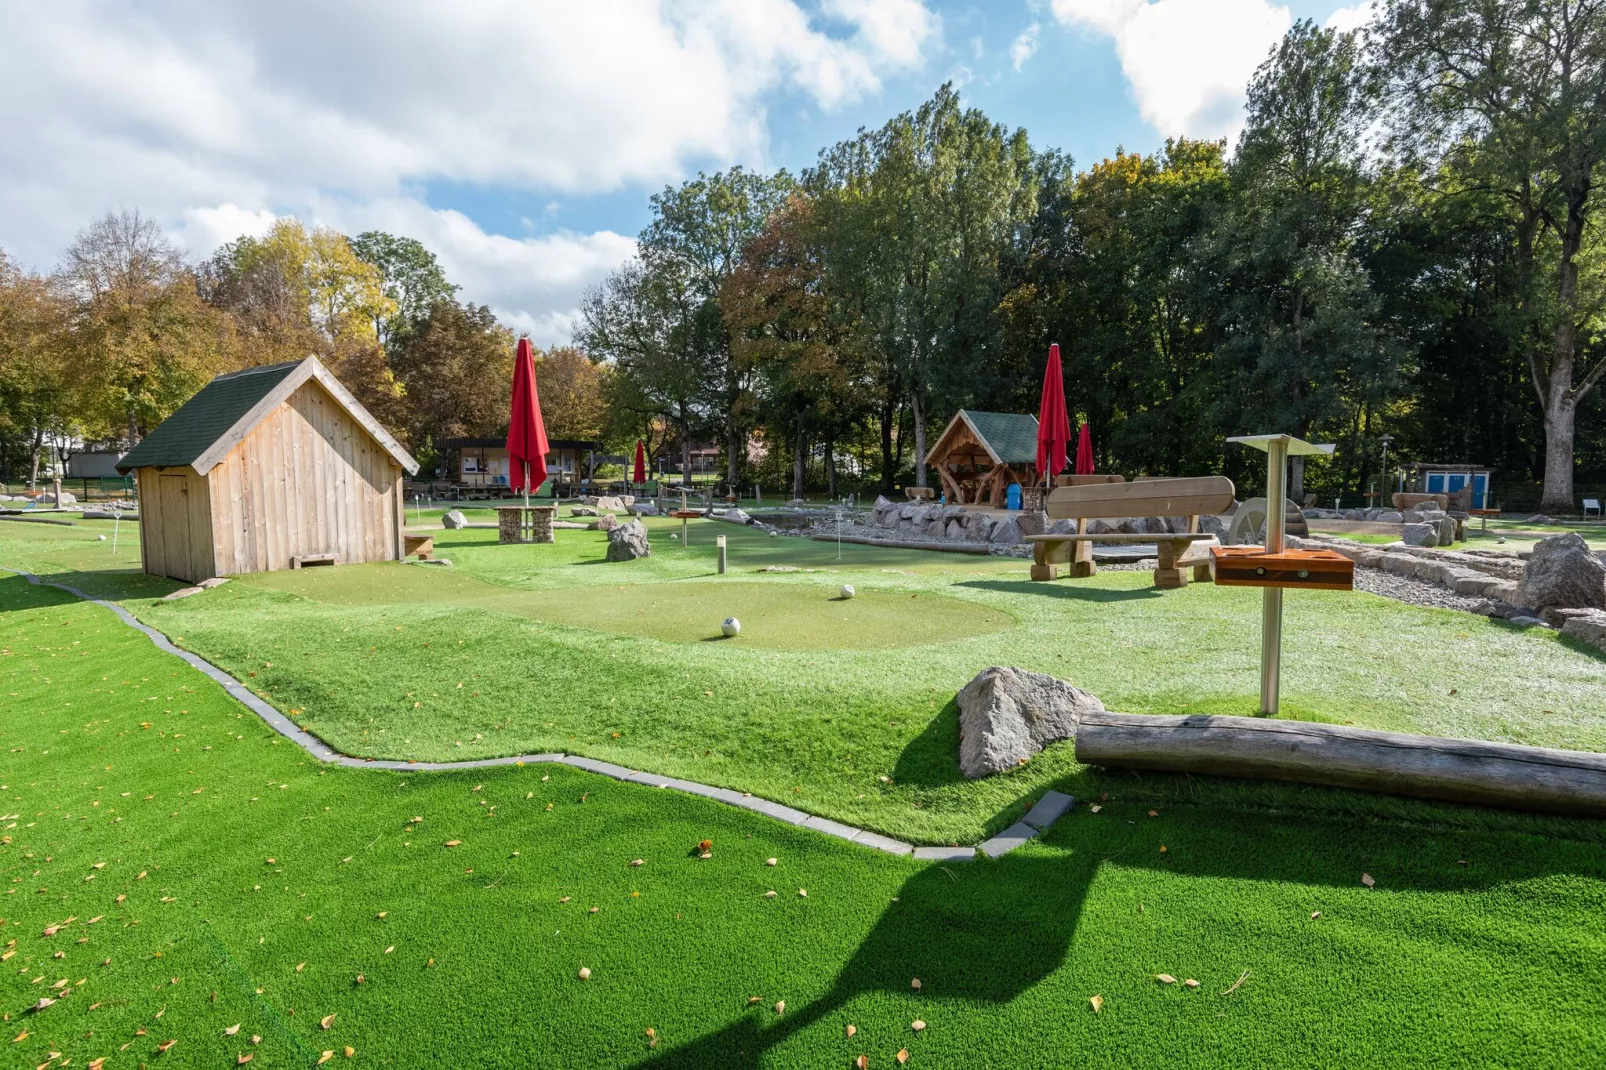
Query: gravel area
[1416, 592]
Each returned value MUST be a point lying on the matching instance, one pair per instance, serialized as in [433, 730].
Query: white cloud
[1187, 61]
[214, 117]
[1024, 46]
[1346, 19]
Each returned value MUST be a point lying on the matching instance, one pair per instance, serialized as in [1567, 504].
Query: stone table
[525, 523]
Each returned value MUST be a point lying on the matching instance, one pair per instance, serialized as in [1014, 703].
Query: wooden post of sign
[720, 542]
[1271, 608]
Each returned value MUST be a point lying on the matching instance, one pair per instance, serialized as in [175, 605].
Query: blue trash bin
[1012, 496]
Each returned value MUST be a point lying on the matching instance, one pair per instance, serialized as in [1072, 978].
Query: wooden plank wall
[175, 524]
[307, 480]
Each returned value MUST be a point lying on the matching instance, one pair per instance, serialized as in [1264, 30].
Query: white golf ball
[848, 591]
[100, 538]
[731, 626]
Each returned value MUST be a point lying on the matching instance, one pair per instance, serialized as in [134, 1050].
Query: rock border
[1043, 813]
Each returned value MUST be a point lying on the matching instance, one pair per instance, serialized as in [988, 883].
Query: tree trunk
[889, 466]
[798, 450]
[1296, 481]
[830, 466]
[734, 451]
[1558, 493]
[917, 413]
[133, 430]
[33, 457]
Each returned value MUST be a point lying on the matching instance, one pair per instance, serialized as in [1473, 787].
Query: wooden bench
[422, 545]
[1190, 497]
[920, 494]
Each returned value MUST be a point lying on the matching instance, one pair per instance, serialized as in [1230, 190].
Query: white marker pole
[1271, 610]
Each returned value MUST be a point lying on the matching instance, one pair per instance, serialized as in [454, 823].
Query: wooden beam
[1459, 770]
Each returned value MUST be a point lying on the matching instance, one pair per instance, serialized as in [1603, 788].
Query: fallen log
[1431, 767]
[942, 547]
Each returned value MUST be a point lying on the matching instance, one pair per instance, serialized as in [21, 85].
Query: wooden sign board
[1252, 566]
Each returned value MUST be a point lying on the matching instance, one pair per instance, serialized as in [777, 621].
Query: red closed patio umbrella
[526, 432]
[1084, 452]
[1053, 424]
[639, 475]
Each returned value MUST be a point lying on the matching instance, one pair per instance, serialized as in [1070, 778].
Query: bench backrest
[1191, 496]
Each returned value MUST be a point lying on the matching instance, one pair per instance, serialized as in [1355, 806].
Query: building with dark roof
[268, 468]
[979, 454]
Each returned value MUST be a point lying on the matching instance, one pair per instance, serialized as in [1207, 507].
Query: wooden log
[1459, 770]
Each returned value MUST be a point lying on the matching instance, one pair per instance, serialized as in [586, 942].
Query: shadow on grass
[1068, 589]
[113, 584]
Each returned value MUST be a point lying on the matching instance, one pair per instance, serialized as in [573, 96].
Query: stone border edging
[1047, 810]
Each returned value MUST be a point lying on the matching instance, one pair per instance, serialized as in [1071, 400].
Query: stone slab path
[1048, 809]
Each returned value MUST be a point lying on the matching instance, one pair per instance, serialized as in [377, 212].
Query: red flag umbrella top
[526, 433]
[1084, 452]
[1053, 425]
[640, 474]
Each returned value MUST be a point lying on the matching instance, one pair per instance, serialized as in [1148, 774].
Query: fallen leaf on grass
[638, 862]
[803, 893]
[381, 914]
[328, 1021]
[166, 1045]
[754, 999]
[902, 1056]
[299, 966]
[44, 1001]
[862, 1063]
[325, 1057]
[1097, 1002]
[1315, 914]
[231, 1030]
[585, 973]
[454, 843]
[852, 1029]
[389, 949]
[1366, 879]
[914, 983]
[20, 1037]
[769, 894]
[566, 898]
[244, 1058]
[1165, 978]
[1190, 983]
[780, 1007]
[917, 1025]
[349, 1051]
[1095, 808]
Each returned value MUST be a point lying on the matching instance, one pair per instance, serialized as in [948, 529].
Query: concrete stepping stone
[945, 854]
[1012, 837]
[1049, 809]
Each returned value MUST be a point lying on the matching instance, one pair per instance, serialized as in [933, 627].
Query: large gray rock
[1587, 628]
[628, 542]
[1419, 534]
[1388, 516]
[1006, 532]
[1032, 523]
[886, 512]
[582, 510]
[605, 522]
[454, 520]
[643, 509]
[1447, 530]
[1213, 525]
[1062, 527]
[956, 529]
[978, 527]
[1006, 715]
[1098, 526]
[1562, 573]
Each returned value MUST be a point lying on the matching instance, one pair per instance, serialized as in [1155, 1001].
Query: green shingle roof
[1012, 436]
[199, 422]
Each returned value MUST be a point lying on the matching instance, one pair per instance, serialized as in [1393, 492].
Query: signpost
[1278, 449]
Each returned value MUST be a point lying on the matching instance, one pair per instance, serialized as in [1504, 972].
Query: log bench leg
[1167, 575]
[1201, 573]
[1082, 564]
[1042, 567]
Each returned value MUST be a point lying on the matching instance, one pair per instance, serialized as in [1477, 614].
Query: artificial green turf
[370, 658]
[1476, 947]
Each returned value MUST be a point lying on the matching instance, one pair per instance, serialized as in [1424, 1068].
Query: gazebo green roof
[1008, 437]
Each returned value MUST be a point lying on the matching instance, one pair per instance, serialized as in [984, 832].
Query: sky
[519, 140]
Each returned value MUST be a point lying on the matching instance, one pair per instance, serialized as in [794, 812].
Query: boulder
[605, 522]
[1062, 527]
[628, 542]
[1449, 528]
[1587, 628]
[1006, 532]
[1006, 715]
[886, 512]
[955, 529]
[1102, 527]
[582, 510]
[1154, 525]
[643, 509]
[454, 520]
[1562, 573]
[936, 527]
[978, 527]
[1032, 523]
[1388, 516]
[609, 502]
[1419, 534]
[1213, 525]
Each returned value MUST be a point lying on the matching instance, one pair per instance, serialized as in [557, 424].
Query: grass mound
[217, 877]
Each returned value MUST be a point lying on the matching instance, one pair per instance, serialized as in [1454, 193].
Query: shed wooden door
[174, 495]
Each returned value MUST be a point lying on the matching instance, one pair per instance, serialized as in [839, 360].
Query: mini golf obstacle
[1458, 770]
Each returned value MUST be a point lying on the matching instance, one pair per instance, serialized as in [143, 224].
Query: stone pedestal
[525, 523]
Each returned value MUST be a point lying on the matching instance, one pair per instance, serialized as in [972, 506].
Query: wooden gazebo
[980, 454]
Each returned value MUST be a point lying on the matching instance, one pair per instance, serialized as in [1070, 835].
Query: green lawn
[218, 877]
[522, 649]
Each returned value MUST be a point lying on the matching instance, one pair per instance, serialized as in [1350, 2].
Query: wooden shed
[264, 469]
[980, 454]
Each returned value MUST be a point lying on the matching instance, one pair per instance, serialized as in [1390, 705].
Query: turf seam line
[994, 847]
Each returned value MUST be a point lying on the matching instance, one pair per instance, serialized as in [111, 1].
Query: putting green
[776, 615]
[780, 616]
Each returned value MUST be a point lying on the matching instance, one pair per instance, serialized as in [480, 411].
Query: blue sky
[520, 139]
